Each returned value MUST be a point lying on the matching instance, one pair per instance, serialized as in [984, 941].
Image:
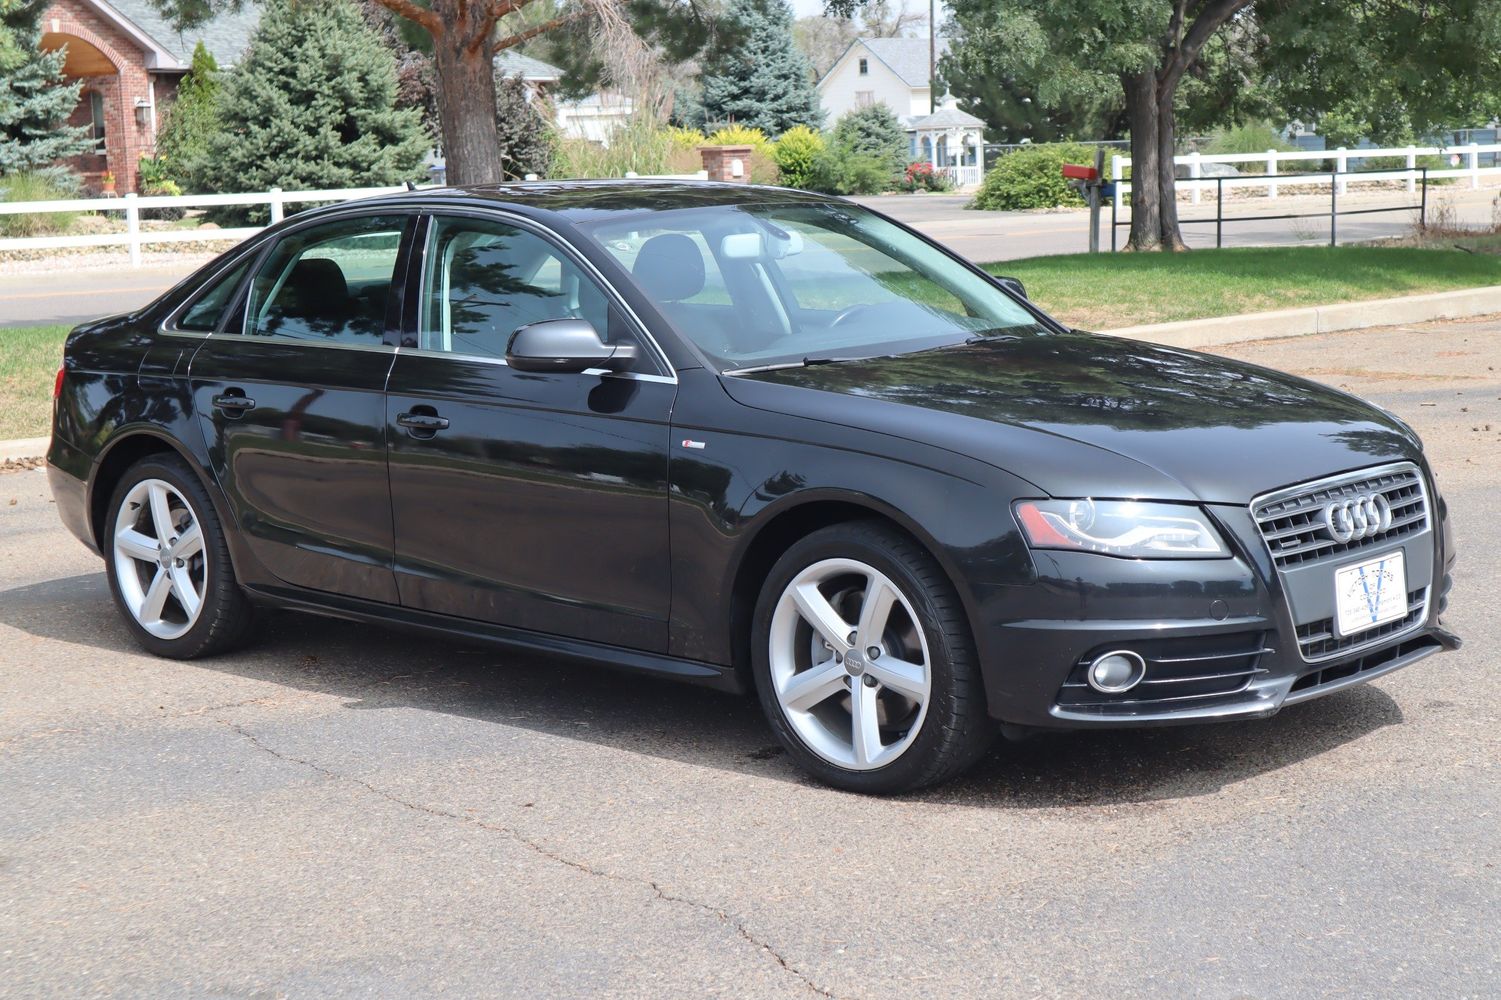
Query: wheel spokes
[865, 724]
[818, 612]
[875, 610]
[189, 543]
[814, 686]
[137, 546]
[910, 680]
[185, 591]
[156, 597]
[161, 513]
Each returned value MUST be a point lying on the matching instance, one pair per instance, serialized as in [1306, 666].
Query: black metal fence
[1333, 215]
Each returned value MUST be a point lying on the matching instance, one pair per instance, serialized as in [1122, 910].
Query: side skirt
[720, 678]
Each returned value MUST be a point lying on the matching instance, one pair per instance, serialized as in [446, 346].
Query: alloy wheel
[849, 664]
[160, 562]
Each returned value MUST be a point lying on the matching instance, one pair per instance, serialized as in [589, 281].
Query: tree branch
[522, 36]
[1212, 17]
[421, 15]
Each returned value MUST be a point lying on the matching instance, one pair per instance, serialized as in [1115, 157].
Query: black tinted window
[328, 283]
[203, 315]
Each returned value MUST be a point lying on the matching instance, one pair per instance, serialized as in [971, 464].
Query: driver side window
[486, 279]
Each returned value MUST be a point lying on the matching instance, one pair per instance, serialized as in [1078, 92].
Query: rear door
[290, 396]
[532, 500]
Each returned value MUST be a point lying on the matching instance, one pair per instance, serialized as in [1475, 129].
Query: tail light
[57, 383]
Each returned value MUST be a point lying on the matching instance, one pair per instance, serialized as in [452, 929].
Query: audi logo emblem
[1359, 517]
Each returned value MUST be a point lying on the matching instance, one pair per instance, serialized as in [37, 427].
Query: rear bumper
[67, 475]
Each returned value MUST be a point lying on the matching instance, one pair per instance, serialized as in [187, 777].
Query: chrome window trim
[579, 260]
[424, 352]
[256, 338]
[1355, 476]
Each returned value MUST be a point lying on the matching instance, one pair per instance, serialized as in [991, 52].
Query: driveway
[341, 812]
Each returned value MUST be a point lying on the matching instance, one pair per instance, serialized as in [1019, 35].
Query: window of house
[328, 283]
[865, 98]
[865, 67]
[96, 118]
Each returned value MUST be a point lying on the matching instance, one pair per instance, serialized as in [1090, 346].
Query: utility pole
[932, 56]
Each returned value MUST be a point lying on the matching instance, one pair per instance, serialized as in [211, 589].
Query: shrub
[797, 153]
[191, 120]
[527, 144]
[1032, 177]
[46, 184]
[685, 138]
[739, 135]
[837, 171]
[153, 179]
[920, 176]
[873, 131]
[1255, 137]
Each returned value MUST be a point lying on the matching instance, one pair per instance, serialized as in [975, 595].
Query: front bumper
[1220, 637]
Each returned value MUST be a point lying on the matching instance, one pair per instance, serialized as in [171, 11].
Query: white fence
[1275, 163]
[131, 205]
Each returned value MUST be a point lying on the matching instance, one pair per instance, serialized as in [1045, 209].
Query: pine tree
[193, 117]
[765, 82]
[312, 106]
[35, 101]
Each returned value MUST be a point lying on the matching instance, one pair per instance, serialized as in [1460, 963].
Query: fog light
[1116, 672]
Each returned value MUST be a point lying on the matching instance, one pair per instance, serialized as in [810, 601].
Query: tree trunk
[1167, 177]
[1142, 113]
[466, 93]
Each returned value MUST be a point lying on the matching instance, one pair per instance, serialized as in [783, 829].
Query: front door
[291, 401]
[537, 501]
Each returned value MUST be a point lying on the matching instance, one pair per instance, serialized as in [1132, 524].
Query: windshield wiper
[804, 363]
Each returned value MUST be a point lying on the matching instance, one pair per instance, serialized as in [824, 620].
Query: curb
[23, 449]
[1219, 330]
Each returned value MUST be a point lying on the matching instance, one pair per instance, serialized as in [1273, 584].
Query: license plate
[1370, 594]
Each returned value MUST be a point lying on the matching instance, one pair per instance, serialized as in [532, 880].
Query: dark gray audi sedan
[749, 438]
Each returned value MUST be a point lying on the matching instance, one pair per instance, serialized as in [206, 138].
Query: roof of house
[225, 35]
[906, 57]
[509, 62]
[946, 118]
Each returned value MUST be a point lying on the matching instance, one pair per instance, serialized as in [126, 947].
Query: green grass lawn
[1093, 292]
[1104, 291]
[29, 359]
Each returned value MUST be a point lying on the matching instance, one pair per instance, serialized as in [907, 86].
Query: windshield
[771, 284]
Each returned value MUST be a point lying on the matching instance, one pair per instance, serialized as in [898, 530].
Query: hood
[1083, 415]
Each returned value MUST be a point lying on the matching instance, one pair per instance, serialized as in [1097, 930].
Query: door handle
[234, 402]
[422, 422]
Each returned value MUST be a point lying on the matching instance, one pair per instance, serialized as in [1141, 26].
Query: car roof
[591, 201]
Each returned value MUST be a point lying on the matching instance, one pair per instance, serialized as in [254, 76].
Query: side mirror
[569, 346]
[1012, 285]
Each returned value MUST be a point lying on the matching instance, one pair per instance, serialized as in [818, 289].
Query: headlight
[1127, 528]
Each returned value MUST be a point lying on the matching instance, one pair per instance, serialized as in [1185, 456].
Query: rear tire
[168, 564]
[864, 662]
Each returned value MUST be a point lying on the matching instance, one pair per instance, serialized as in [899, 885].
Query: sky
[807, 8]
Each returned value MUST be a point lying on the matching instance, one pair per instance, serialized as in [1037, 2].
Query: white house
[894, 72]
[890, 71]
[594, 117]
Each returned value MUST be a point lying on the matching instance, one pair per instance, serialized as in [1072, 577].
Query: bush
[1256, 137]
[1032, 177]
[837, 171]
[527, 144]
[920, 176]
[153, 178]
[739, 135]
[797, 153]
[875, 132]
[46, 184]
[685, 138]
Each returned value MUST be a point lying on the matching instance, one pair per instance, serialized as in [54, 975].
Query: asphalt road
[76, 290]
[341, 812]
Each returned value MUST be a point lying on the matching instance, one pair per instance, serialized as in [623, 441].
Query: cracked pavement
[340, 811]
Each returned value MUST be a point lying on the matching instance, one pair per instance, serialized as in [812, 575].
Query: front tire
[864, 662]
[168, 564]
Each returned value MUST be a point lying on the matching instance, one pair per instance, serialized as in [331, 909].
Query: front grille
[1317, 639]
[1292, 520]
[1179, 670]
[1360, 665]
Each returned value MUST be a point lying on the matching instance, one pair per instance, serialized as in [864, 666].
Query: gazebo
[951, 140]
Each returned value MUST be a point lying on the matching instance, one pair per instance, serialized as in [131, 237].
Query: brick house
[131, 62]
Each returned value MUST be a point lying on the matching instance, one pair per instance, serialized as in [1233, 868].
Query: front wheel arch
[793, 518]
